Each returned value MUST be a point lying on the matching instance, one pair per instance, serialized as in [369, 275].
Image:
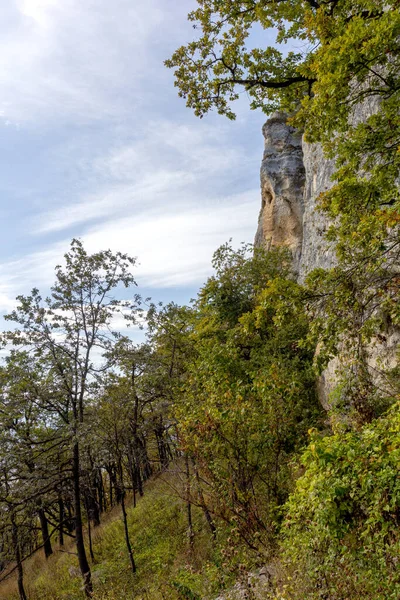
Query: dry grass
[39, 566]
[158, 534]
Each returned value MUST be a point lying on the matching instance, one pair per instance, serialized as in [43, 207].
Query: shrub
[342, 537]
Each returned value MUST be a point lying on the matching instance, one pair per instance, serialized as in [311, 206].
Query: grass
[166, 568]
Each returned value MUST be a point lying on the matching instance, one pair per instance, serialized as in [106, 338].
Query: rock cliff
[283, 180]
[293, 173]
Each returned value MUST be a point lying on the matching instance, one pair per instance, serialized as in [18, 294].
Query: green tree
[341, 43]
[248, 397]
[68, 332]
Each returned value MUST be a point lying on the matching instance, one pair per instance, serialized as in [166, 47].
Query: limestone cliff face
[315, 250]
[293, 173]
[282, 184]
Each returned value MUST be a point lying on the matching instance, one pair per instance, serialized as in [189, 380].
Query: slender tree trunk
[17, 550]
[89, 528]
[91, 496]
[203, 504]
[127, 540]
[124, 516]
[139, 482]
[118, 488]
[113, 485]
[145, 462]
[100, 491]
[162, 452]
[61, 521]
[136, 455]
[71, 520]
[132, 476]
[48, 551]
[137, 449]
[93, 508]
[80, 544]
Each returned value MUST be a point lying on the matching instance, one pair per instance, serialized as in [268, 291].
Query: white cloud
[72, 59]
[170, 166]
[111, 201]
[128, 170]
[172, 249]
[21, 275]
[175, 250]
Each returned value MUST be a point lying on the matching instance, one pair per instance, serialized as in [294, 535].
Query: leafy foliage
[346, 512]
[248, 398]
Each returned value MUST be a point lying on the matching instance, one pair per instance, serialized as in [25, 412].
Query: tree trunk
[17, 550]
[146, 466]
[93, 507]
[100, 490]
[162, 451]
[132, 476]
[126, 530]
[80, 544]
[71, 521]
[121, 486]
[89, 528]
[203, 504]
[61, 521]
[137, 478]
[136, 451]
[48, 551]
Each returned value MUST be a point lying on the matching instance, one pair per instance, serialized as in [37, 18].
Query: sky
[95, 143]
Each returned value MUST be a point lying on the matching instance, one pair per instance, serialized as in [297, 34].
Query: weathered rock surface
[293, 173]
[282, 184]
[315, 250]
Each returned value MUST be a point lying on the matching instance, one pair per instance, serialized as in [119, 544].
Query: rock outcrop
[282, 183]
[315, 250]
[293, 173]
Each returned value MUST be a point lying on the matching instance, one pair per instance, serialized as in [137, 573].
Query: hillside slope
[158, 535]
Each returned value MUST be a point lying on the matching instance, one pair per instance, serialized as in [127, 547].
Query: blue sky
[96, 144]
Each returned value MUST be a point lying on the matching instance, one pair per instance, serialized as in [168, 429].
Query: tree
[331, 34]
[68, 333]
[248, 397]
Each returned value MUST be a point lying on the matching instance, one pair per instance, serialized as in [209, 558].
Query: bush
[342, 537]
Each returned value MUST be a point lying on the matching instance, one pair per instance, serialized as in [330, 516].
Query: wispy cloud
[172, 249]
[21, 275]
[70, 59]
[104, 149]
[177, 249]
[171, 165]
